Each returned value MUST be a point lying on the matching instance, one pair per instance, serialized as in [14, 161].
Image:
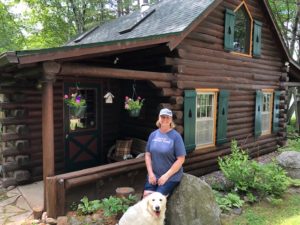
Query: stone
[10, 166]
[22, 175]
[22, 160]
[62, 220]
[7, 182]
[44, 217]
[51, 221]
[192, 203]
[290, 161]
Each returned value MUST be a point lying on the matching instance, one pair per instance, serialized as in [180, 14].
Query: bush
[114, 205]
[88, 207]
[228, 201]
[236, 167]
[250, 176]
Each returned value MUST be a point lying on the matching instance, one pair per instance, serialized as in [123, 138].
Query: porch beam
[49, 72]
[81, 70]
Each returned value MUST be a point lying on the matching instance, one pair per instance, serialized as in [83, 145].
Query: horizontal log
[73, 69]
[223, 85]
[176, 100]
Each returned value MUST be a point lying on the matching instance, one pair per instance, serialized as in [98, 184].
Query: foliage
[11, 37]
[285, 212]
[229, 201]
[115, 205]
[236, 167]
[88, 207]
[250, 176]
[75, 100]
[287, 16]
[131, 104]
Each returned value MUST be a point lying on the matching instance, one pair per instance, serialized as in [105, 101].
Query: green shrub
[228, 201]
[115, 205]
[236, 167]
[88, 207]
[250, 176]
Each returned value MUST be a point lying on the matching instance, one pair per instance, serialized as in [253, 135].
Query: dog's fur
[149, 211]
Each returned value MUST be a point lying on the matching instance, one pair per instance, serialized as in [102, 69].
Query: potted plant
[77, 105]
[133, 106]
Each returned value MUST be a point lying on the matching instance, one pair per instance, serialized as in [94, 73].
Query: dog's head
[156, 203]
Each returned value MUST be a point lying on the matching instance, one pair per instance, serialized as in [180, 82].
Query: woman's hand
[163, 179]
[152, 179]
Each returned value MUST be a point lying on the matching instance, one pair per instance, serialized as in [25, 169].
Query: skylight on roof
[143, 16]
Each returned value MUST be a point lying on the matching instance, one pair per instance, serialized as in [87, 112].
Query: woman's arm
[151, 175]
[174, 168]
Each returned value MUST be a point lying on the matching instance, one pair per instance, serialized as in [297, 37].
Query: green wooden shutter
[276, 111]
[222, 116]
[229, 29]
[258, 109]
[189, 119]
[257, 38]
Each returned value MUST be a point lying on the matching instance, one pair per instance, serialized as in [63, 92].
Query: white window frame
[270, 93]
[213, 92]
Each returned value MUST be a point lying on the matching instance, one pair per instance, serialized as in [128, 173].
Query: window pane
[87, 119]
[266, 112]
[242, 31]
[205, 118]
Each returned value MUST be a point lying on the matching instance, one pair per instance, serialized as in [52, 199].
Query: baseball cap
[165, 112]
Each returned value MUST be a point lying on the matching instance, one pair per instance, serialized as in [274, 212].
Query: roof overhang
[69, 52]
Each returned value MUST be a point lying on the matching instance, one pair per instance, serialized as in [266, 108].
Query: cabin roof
[165, 17]
[166, 22]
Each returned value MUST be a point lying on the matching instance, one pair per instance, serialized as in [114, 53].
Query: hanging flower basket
[76, 104]
[77, 111]
[134, 112]
[133, 106]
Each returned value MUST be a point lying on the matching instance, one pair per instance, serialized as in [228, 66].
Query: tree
[287, 16]
[11, 37]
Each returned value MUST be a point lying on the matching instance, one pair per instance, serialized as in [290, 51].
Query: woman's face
[165, 121]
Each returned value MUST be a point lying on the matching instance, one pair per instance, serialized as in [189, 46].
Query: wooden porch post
[49, 71]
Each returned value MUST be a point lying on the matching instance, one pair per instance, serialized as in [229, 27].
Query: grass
[286, 212]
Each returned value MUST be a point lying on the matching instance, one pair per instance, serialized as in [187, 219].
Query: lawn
[285, 212]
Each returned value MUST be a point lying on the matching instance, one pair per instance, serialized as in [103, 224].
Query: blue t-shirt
[164, 149]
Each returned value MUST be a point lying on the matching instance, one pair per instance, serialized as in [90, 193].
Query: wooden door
[82, 133]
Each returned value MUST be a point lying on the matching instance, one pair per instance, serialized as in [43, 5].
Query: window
[205, 118]
[86, 117]
[242, 34]
[266, 113]
[242, 31]
[206, 103]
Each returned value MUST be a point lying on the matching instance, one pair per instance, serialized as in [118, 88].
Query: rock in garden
[290, 161]
[192, 203]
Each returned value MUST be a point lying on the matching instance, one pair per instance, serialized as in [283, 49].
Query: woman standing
[165, 154]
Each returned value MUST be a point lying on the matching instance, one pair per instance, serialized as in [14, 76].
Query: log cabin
[221, 66]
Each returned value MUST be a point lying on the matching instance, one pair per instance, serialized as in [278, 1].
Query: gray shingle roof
[170, 16]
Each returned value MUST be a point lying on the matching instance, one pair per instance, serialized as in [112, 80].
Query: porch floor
[16, 205]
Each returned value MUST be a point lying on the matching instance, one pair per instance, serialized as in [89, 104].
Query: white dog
[149, 211]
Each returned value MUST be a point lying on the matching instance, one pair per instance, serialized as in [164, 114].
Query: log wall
[203, 63]
[20, 143]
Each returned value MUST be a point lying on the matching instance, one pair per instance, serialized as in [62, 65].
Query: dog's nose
[157, 208]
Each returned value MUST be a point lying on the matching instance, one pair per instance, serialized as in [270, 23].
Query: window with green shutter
[222, 116]
[189, 119]
[257, 38]
[258, 109]
[242, 35]
[276, 111]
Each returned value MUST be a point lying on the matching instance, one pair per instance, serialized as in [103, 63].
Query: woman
[165, 154]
